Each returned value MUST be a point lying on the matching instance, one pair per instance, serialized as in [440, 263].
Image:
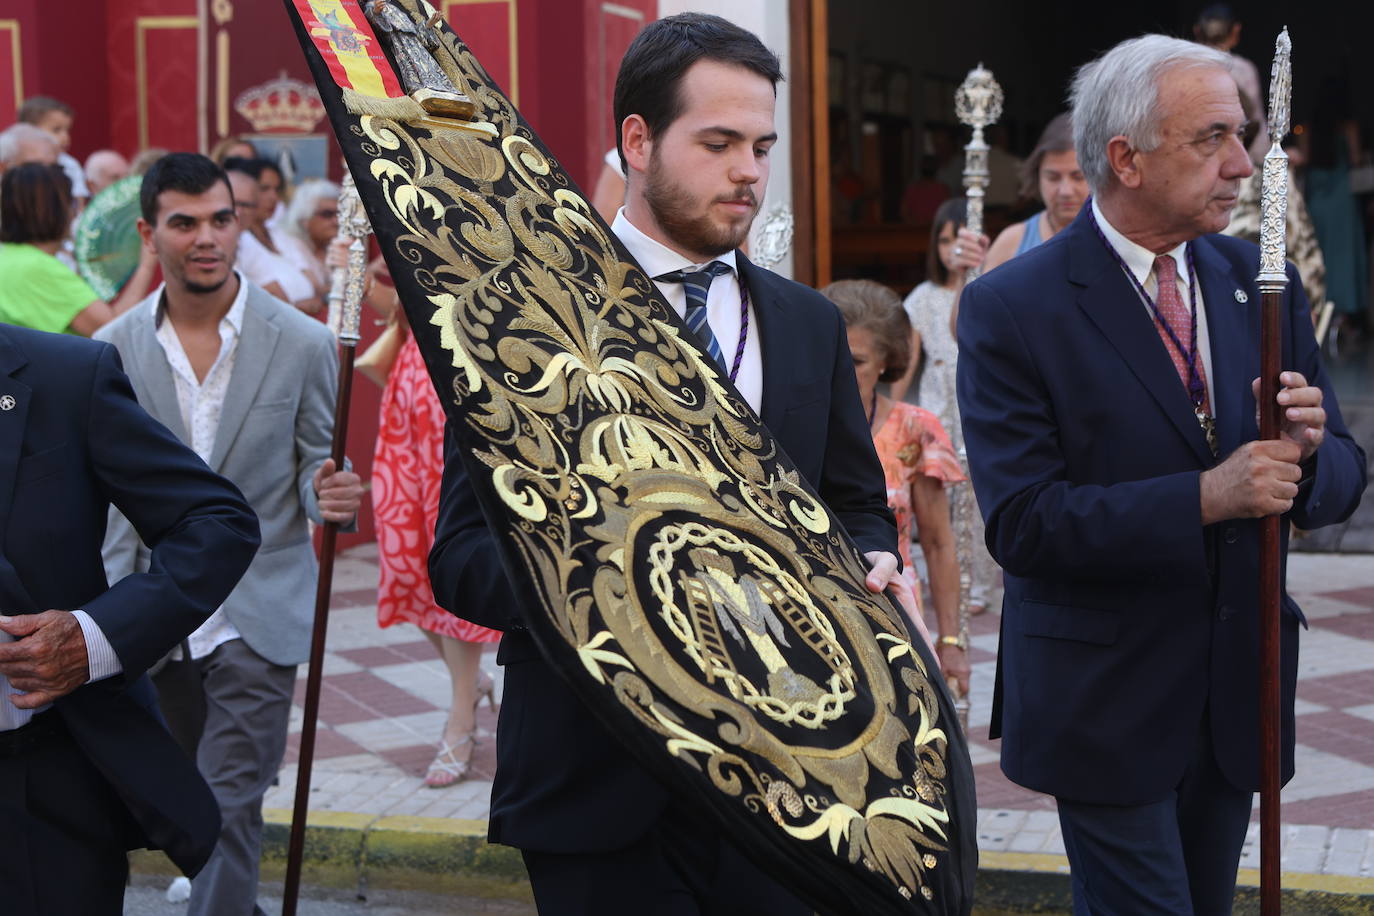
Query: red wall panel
[491, 30]
[16, 27]
[167, 81]
[612, 27]
[153, 74]
[62, 40]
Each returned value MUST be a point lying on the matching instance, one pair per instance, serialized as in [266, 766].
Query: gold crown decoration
[281, 105]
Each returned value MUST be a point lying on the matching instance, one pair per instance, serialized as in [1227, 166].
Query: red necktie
[1171, 309]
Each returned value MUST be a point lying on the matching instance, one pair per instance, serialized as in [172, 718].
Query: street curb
[443, 855]
[438, 855]
[1013, 882]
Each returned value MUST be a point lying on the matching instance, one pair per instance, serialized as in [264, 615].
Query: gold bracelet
[956, 641]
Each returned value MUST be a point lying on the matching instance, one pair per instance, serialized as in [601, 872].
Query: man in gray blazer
[249, 383]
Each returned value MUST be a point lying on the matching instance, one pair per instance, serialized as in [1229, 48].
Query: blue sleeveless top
[1031, 237]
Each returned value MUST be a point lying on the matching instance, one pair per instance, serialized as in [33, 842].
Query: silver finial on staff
[1274, 184]
[346, 283]
[978, 104]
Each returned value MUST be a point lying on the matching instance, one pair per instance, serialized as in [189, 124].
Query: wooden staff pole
[1271, 281]
[345, 302]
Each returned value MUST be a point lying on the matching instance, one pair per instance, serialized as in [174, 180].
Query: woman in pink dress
[406, 473]
[917, 457]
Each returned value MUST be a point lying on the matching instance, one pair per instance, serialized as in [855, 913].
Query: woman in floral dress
[407, 469]
[918, 459]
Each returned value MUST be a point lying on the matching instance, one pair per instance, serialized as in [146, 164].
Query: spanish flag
[356, 61]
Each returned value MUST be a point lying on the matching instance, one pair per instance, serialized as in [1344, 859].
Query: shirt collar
[234, 316]
[656, 258]
[1140, 261]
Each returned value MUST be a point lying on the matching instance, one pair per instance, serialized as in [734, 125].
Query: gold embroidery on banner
[607, 438]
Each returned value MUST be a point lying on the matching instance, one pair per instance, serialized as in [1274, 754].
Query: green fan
[106, 239]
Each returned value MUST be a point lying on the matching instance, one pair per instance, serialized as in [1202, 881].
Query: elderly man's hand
[48, 660]
[1260, 478]
[340, 493]
[1304, 418]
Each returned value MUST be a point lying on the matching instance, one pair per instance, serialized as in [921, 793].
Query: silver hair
[303, 201]
[15, 136]
[1118, 95]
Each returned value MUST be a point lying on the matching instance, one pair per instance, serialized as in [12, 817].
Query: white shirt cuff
[100, 655]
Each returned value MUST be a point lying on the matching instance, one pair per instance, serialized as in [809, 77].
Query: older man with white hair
[103, 168]
[1107, 383]
[21, 143]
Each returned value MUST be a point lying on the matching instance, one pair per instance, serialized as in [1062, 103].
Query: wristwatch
[959, 642]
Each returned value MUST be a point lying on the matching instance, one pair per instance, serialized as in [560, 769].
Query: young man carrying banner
[694, 104]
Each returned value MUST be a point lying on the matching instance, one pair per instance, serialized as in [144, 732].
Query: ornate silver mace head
[978, 103]
[978, 100]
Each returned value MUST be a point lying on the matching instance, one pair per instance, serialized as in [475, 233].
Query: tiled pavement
[385, 696]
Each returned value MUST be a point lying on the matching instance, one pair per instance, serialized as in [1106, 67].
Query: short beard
[672, 208]
[200, 289]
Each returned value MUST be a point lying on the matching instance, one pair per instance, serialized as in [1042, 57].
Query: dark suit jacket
[1125, 620]
[74, 441]
[563, 783]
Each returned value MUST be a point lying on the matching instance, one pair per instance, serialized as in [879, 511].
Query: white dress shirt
[298, 253]
[1140, 261]
[202, 402]
[263, 266]
[722, 304]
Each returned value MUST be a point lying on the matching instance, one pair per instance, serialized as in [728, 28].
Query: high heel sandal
[486, 689]
[448, 769]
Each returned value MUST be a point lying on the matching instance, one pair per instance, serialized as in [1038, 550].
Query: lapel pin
[1241, 297]
[7, 402]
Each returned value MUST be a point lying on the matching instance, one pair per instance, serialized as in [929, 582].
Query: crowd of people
[1088, 383]
[219, 331]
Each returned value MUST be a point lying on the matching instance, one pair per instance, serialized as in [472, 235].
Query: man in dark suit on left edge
[87, 768]
[599, 834]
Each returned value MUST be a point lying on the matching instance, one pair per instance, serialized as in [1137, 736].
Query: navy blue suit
[73, 441]
[563, 783]
[1129, 630]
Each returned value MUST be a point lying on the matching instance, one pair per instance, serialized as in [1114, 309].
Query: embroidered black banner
[693, 590]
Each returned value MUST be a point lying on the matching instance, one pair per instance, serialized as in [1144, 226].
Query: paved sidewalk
[385, 694]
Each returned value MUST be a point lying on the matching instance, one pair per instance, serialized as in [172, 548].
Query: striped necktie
[697, 284]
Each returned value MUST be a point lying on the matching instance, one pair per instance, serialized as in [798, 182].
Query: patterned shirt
[202, 402]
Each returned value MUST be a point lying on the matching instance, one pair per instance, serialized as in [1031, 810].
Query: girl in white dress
[929, 307]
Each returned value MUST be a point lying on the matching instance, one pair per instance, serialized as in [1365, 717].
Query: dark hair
[189, 173]
[35, 203]
[953, 211]
[651, 72]
[1214, 24]
[250, 167]
[870, 305]
[37, 107]
[268, 165]
[1057, 137]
